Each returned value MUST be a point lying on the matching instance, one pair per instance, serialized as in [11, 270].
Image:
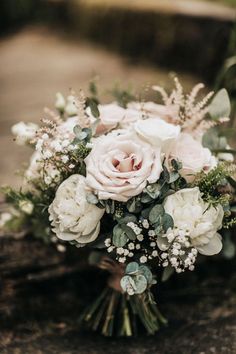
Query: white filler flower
[24, 132]
[72, 217]
[190, 212]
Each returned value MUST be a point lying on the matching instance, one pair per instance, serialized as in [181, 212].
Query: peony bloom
[24, 132]
[120, 166]
[194, 157]
[157, 132]
[71, 216]
[190, 212]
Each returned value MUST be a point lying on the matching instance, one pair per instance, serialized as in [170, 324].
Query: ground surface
[43, 292]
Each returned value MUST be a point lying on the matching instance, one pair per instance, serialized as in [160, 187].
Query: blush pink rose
[119, 167]
[194, 157]
[154, 110]
[112, 115]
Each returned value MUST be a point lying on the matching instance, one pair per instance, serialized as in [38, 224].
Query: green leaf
[134, 205]
[127, 218]
[167, 222]
[173, 177]
[77, 130]
[132, 268]
[119, 238]
[153, 190]
[147, 273]
[92, 103]
[127, 281]
[145, 198]
[177, 165]
[220, 105]
[140, 283]
[129, 232]
[155, 213]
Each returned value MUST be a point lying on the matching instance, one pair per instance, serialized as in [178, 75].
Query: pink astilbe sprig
[191, 114]
[80, 103]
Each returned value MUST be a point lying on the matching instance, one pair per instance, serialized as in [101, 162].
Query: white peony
[24, 132]
[71, 216]
[157, 132]
[190, 212]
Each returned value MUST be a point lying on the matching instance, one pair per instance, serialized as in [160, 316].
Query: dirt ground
[36, 63]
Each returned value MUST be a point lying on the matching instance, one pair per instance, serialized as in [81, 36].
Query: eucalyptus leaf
[92, 103]
[146, 198]
[155, 213]
[119, 238]
[77, 130]
[129, 232]
[167, 222]
[153, 190]
[140, 283]
[126, 282]
[220, 105]
[147, 273]
[132, 268]
[127, 218]
[173, 177]
[134, 205]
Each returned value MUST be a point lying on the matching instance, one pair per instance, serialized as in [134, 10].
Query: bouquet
[145, 187]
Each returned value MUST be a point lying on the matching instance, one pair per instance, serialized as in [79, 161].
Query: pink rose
[194, 157]
[119, 167]
[154, 110]
[112, 115]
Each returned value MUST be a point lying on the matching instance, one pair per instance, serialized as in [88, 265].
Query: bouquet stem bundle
[114, 313]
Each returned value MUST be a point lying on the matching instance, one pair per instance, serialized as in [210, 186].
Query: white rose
[190, 212]
[71, 216]
[24, 132]
[194, 157]
[157, 132]
[226, 156]
[120, 166]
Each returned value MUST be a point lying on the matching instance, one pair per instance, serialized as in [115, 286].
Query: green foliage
[220, 105]
[137, 279]
[123, 97]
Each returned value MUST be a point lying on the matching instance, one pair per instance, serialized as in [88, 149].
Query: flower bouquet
[146, 187]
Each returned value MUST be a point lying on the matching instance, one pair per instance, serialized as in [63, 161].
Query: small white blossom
[140, 237]
[143, 259]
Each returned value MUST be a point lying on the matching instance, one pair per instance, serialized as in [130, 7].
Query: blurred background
[54, 45]
[48, 46]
